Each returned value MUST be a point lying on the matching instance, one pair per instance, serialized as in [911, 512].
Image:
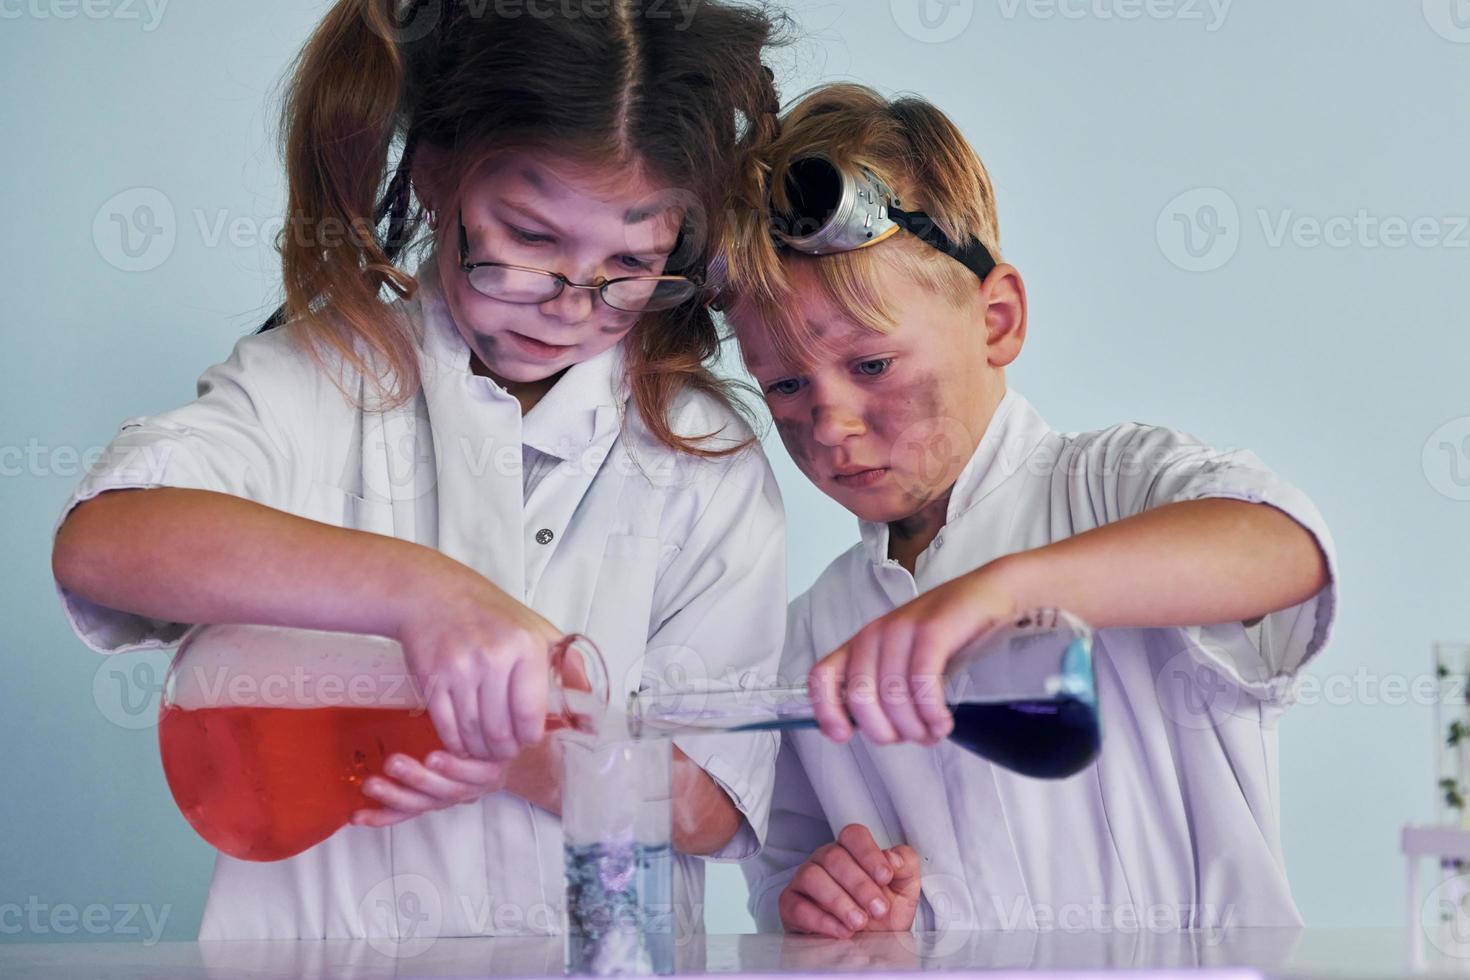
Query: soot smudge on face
[484, 351]
[914, 425]
[793, 437]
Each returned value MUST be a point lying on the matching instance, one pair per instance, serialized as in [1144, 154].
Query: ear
[1003, 295]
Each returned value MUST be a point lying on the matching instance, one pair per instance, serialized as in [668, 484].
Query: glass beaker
[1023, 695]
[617, 805]
[267, 733]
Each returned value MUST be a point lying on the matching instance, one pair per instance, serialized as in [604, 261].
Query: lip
[857, 479]
[538, 348]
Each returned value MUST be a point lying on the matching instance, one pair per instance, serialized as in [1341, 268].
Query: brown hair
[683, 96]
[914, 148]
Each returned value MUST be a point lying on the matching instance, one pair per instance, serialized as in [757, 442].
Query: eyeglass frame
[467, 267]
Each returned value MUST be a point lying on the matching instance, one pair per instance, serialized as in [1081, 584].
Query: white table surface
[1235, 954]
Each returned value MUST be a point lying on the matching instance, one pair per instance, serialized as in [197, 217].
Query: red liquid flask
[267, 733]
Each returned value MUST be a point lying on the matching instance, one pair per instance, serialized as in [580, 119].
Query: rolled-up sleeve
[1128, 469]
[720, 609]
[244, 435]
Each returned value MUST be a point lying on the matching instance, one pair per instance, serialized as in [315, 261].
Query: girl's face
[538, 209]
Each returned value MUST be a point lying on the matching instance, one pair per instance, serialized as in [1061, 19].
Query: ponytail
[340, 116]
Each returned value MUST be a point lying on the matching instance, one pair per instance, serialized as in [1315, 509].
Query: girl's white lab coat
[1177, 825]
[673, 565]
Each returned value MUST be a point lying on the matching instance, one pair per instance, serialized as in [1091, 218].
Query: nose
[573, 305]
[833, 422]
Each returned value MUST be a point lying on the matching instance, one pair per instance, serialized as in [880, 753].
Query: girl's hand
[853, 885]
[412, 787]
[890, 676]
[481, 659]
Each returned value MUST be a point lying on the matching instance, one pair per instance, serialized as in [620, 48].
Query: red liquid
[262, 784]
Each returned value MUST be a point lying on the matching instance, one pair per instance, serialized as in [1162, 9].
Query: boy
[879, 331]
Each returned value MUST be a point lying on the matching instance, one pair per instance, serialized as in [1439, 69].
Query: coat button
[544, 536]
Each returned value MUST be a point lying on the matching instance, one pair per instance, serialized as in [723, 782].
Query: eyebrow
[531, 212]
[632, 216]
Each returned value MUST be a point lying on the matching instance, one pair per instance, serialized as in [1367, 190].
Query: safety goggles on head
[836, 210]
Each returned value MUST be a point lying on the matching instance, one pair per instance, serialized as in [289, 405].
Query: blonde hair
[914, 148]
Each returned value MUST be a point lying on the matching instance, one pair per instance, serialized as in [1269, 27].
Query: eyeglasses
[522, 284]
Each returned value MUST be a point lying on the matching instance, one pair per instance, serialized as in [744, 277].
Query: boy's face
[884, 423]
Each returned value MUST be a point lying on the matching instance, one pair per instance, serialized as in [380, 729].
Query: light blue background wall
[1343, 362]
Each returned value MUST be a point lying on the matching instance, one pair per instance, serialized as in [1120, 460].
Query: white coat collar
[1013, 434]
[582, 409]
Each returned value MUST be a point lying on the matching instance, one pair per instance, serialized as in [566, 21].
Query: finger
[862, 687]
[495, 720]
[926, 684]
[817, 884]
[379, 817]
[475, 772]
[430, 782]
[396, 796]
[825, 688]
[801, 914]
[528, 695]
[446, 720]
[858, 841]
[893, 682]
[855, 880]
[465, 694]
[933, 647]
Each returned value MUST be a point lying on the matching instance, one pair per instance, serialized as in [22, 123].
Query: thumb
[908, 871]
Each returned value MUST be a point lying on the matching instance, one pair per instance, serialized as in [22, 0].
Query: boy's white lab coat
[1177, 824]
[673, 565]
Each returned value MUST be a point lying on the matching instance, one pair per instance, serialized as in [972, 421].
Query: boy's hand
[890, 676]
[411, 787]
[853, 885]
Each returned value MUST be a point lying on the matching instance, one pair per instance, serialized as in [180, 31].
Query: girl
[349, 470]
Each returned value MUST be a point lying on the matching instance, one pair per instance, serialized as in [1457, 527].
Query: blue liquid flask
[1023, 695]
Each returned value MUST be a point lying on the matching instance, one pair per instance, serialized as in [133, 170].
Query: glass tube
[1023, 695]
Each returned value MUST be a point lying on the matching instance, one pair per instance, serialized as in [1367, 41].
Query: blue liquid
[1046, 738]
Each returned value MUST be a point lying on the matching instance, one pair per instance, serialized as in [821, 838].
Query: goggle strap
[972, 255]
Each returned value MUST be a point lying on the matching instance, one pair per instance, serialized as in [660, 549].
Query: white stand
[1416, 843]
